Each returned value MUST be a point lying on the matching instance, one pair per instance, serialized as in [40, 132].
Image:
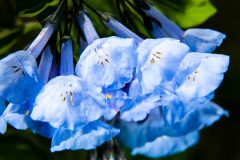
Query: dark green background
[219, 142]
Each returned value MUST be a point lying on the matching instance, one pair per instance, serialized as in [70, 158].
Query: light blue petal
[141, 105]
[15, 115]
[159, 122]
[3, 126]
[41, 40]
[67, 66]
[120, 30]
[45, 65]
[202, 40]
[170, 27]
[87, 27]
[108, 62]
[166, 146]
[18, 77]
[158, 61]
[115, 99]
[135, 134]
[68, 102]
[38, 127]
[18, 116]
[3, 123]
[55, 70]
[89, 137]
[157, 31]
[2, 106]
[210, 113]
[200, 74]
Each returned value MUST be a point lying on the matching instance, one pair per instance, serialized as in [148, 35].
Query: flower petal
[89, 137]
[108, 62]
[68, 102]
[202, 40]
[158, 61]
[200, 74]
[165, 145]
[18, 77]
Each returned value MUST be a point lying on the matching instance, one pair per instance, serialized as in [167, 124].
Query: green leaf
[186, 13]
[39, 8]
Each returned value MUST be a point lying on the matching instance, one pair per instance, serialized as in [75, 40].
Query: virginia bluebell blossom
[67, 101]
[148, 134]
[199, 40]
[108, 62]
[199, 74]
[19, 70]
[18, 115]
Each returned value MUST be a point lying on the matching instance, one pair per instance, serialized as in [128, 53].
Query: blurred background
[218, 142]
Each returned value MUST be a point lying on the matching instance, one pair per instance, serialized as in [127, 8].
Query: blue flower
[18, 115]
[157, 124]
[158, 60]
[88, 137]
[18, 77]
[3, 123]
[68, 101]
[199, 40]
[166, 146]
[108, 62]
[167, 75]
[199, 74]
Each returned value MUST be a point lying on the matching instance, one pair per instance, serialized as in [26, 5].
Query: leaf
[186, 13]
[15, 39]
[37, 9]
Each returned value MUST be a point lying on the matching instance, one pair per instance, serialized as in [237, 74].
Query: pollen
[108, 96]
[155, 57]
[71, 101]
[197, 72]
[27, 113]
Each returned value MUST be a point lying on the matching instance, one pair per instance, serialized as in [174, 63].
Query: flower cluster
[154, 95]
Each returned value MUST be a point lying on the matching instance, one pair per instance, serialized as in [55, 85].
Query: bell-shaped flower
[88, 137]
[3, 123]
[18, 115]
[68, 101]
[158, 61]
[108, 62]
[163, 122]
[199, 40]
[199, 74]
[18, 73]
[166, 145]
[18, 77]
